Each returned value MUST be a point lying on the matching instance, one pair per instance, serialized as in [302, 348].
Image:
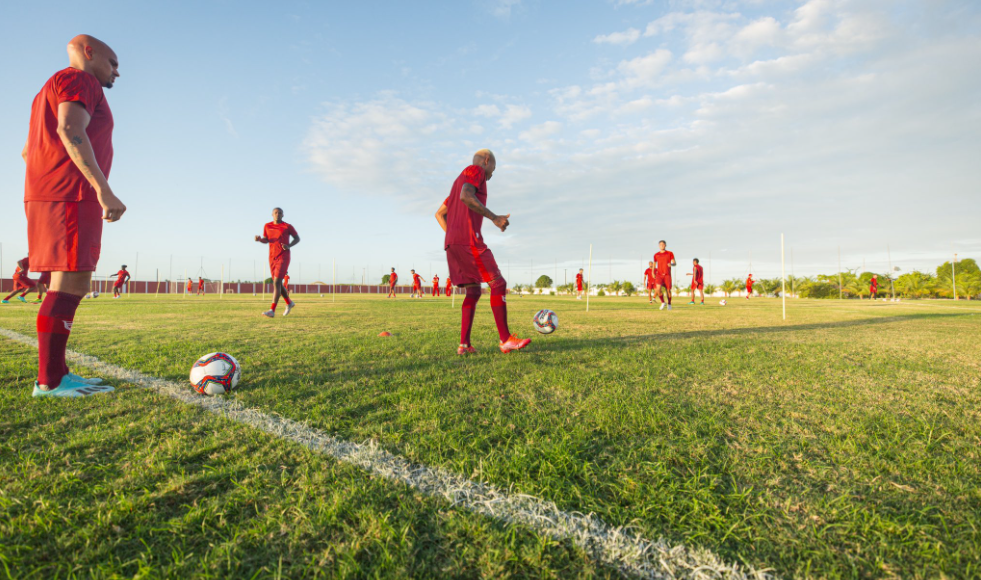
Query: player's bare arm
[296, 240]
[72, 122]
[262, 239]
[468, 195]
[441, 215]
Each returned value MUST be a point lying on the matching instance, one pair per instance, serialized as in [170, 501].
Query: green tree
[543, 282]
[629, 288]
[915, 284]
[729, 286]
[710, 289]
[969, 285]
[615, 287]
[385, 279]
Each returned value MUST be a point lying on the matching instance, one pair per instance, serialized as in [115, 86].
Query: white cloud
[508, 117]
[624, 38]
[644, 70]
[539, 132]
[503, 8]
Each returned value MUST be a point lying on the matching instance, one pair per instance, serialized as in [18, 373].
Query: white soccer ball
[95, 294]
[722, 302]
[215, 373]
[546, 321]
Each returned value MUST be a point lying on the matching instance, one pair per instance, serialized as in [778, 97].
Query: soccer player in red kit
[66, 198]
[122, 277]
[22, 283]
[393, 278]
[43, 281]
[874, 286]
[416, 285]
[190, 286]
[649, 282]
[280, 236]
[697, 281]
[579, 285]
[449, 286]
[436, 285]
[749, 286]
[286, 282]
[470, 260]
[663, 261]
[200, 285]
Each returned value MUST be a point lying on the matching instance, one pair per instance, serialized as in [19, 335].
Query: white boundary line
[618, 547]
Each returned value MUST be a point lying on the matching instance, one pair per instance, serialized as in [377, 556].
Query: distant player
[749, 286]
[280, 236]
[286, 282]
[649, 282]
[200, 285]
[697, 281]
[416, 285]
[190, 286]
[122, 277]
[22, 283]
[67, 197]
[874, 286]
[43, 281]
[663, 261]
[579, 285]
[436, 285]
[449, 286]
[393, 278]
[470, 260]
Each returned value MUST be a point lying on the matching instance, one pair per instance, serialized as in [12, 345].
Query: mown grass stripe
[618, 547]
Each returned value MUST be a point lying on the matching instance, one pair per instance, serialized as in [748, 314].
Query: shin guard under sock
[54, 325]
[468, 311]
[499, 306]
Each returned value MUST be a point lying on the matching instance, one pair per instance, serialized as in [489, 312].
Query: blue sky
[716, 125]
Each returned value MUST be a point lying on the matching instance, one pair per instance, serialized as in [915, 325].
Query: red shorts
[44, 278]
[23, 283]
[697, 285]
[280, 266]
[663, 280]
[416, 287]
[64, 236]
[578, 287]
[470, 265]
[749, 289]
[650, 284]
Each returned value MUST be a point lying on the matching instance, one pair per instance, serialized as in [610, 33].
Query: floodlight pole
[221, 282]
[840, 295]
[783, 278]
[156, 288]
[589, 275]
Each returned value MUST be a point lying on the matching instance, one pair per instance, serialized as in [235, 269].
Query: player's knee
[498, 286]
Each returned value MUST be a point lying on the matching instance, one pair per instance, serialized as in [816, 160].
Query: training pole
[783, 279]
[136, 272]
[589, 275]
[221, 282]
[156, 288]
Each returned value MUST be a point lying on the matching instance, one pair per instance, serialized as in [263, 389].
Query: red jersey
[18, 272]
[189, 286]
[200, 283]
[121, 276]
[449, 282]
[417, 280]
[649, 276]
[662, 261]
[286, 280]
[392, 279]
[874, 285]
[435, 280]
[278, 234]
[51, 173]
[462, 223]
[749, 283]
[697, 274]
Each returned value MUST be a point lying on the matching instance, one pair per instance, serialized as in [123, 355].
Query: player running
[436, 285]
[66, 198]
[392, 279]
[190, 286]
[122, 277]
[277, 234]
[649, 282]
[663, 261]
[286, 282]
[416, 285]
[470, 260]
[749, 286]
[22, 283]
[697, 281]
[579, 285]
[449, 286]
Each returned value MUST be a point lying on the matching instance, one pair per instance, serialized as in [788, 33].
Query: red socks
[469, 309]
[499, 306]
[273, 307]
[54, 324]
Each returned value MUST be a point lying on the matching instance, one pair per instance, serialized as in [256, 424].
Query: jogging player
[280, 236]
[663, 260]
[749, 286]
[579, 285]
[22, 283]
[697, 281]
[393, 278]
[649, 282]
[122, 277]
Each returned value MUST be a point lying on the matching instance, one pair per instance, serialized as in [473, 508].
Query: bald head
[93, 56]
[485, 160]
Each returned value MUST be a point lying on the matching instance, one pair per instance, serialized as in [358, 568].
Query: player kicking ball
[122, 277]
[697, 281]
[416, 285]
[649, 282]
[663, 261]
[470, 260]
[22, 282]
[280, 236]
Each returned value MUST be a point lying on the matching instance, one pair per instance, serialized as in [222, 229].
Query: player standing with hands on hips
[66, 199]
[470, 260]
[277, 234]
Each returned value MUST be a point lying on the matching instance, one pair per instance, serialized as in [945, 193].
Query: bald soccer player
[280, 236]
[470, 260]
[66, 199]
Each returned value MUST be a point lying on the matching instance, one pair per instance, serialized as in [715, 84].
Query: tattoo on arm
[469, 198]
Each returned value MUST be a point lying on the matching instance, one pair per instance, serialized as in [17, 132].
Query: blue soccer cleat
[71, 388]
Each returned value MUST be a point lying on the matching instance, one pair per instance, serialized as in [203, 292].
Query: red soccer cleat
[466, 350]
[514, 343]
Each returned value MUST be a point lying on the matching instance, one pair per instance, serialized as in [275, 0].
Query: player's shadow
[577, 344]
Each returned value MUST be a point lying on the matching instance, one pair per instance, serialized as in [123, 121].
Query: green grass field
[842, 443]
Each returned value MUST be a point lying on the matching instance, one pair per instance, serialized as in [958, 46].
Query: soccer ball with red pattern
[546, 321]
[215, 374]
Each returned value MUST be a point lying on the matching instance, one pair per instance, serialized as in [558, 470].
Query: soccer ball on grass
[215, 374]
[546, 321]
[722, 302]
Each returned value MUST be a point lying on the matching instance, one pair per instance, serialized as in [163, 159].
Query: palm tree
[709, 289]
[729, 286]
[969, 285]
[615, 287]
[629, 288]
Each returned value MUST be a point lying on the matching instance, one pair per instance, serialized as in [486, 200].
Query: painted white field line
[618, 547]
